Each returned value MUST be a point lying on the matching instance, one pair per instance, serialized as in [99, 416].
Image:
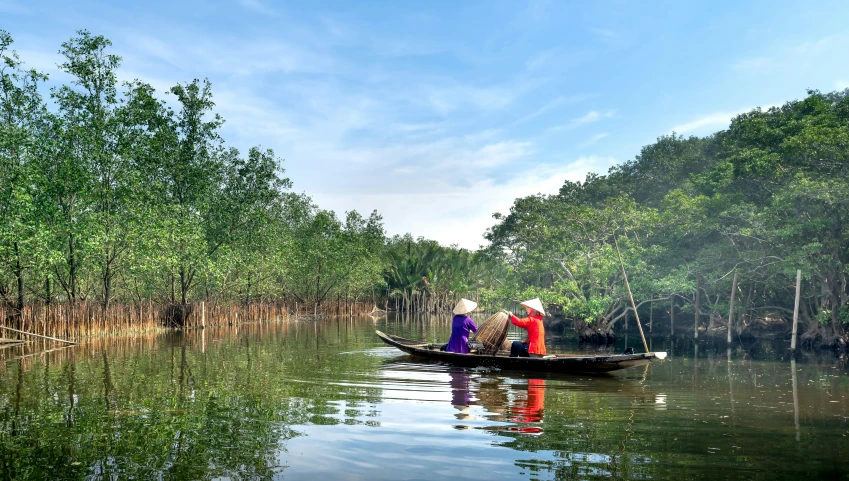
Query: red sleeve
[523, 323]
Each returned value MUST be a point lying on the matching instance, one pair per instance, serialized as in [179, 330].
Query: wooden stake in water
[38, 335]
[696, 331]
[672, 315]
[796, 319]
[631, 296]
[731, 309]
[795, 395]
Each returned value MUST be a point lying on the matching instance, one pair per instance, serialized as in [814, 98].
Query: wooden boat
[559, 363]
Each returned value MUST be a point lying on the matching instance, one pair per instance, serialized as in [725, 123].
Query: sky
[439, 114]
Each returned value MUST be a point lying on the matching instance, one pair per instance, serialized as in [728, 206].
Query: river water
[328, 400]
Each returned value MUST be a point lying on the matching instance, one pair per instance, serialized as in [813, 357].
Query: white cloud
[417, 146]
[539, 59]
[501, 153]
[188, 53]
[791, 59]
[447, 98]
[592, 116]
[589, 118]
[447, 95]
[545, 108]
[42, 61]
[595, 138]
[823, 45]
[445, 188]
[440, 103]
[715, 121]
[755, 65]
[460, 214]
[841, 85]
[712, 122]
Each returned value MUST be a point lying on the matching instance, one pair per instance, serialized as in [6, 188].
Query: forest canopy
[111, 194]
[761, 199]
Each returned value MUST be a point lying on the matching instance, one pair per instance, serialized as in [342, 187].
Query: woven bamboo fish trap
[492, 334]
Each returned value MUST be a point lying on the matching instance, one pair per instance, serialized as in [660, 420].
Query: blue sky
[438, 114]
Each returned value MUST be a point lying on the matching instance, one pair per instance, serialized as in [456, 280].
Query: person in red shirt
[535, 344]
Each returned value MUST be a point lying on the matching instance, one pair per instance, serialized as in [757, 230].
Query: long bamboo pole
[731, 308]
[37, 335]
[796, 321]
[630, 295]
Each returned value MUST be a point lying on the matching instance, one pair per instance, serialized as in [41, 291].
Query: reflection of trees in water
[170, 411]
[628, 428]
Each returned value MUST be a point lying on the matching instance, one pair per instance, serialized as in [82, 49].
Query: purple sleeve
[471, 324]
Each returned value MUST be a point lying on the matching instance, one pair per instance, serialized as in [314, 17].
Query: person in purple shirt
[461, 326]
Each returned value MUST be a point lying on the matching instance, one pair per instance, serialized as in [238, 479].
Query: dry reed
[85, 320]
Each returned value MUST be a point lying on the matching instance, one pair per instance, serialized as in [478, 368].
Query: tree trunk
[72, 271]
[107, 282]
[248, 292]
[594, 334]
[19, 275]
[183, 295]
[747, 305]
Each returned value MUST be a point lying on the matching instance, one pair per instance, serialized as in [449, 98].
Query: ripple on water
[329, 400]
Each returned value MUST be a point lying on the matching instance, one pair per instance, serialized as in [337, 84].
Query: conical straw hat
[534, 304]
[465, 306]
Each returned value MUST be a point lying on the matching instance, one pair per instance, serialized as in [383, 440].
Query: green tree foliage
[116, 194]
[89, 107]
[561, 248]
[762, 198]
[330, 255]
[23, 232]
[423, 276]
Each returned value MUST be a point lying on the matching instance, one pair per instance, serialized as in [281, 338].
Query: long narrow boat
[559, 363]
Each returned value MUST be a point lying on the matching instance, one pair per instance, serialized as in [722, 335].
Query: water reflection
[527, 411]
[795, 397]
[516, 405]
[328, 400]
[461, 397]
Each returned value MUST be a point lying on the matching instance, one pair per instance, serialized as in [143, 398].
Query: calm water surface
[328, 400]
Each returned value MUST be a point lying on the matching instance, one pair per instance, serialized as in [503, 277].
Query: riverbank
[84, 320]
